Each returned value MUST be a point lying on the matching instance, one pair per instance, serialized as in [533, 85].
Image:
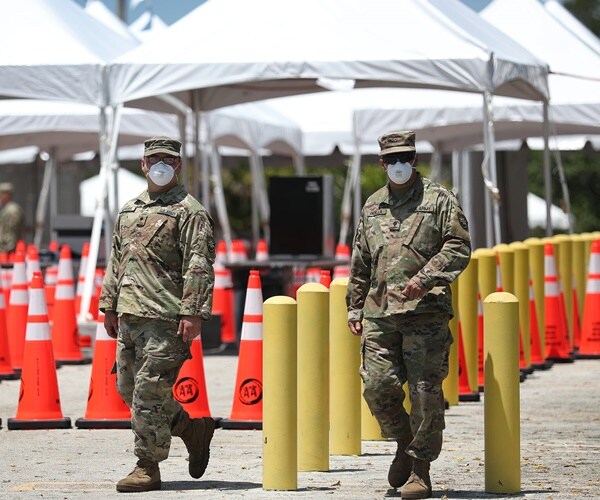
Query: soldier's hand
[111, 323]
[414, 289]
[189, 327]
[355, 327]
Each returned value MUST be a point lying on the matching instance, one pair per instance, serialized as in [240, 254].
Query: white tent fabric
[70, 128]
[279, 59]
[536, 214]
[147, 25]
[452, 122]
[98, 10]
[570, 22]
[130, 185]
[56, 51]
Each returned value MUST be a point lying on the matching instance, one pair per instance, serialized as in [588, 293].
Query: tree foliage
[582, 173]
[587, 12]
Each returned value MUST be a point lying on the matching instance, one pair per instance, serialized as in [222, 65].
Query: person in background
[411, 242]
[157, 290]
[12, 219]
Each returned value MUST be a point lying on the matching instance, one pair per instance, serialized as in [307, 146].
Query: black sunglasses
[398, 157]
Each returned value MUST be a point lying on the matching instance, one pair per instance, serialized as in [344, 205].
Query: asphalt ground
[560, 448]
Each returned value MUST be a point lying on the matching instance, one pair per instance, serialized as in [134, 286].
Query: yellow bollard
[521, 282]
[313, 377]
[536, 269]
[486, 271]
[345, 377]
[467, 311]
[501, 402]
[280, 416]
[450, 383]
[564, 260]
[579, 269]
[506, 257]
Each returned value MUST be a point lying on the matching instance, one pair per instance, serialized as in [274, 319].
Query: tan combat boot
[196, 434]
[419, 483]
[145, 477]
[401, 465]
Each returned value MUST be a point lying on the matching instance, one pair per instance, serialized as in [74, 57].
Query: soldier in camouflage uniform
[12, 221]
[411, 242]
[157, 289]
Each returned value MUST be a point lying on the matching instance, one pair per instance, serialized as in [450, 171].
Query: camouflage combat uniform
[11, 226]
[420, 232]
[161, 268]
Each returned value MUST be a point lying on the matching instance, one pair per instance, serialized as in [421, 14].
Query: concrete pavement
[560, 448]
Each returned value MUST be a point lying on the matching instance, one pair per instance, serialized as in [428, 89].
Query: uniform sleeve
[360, 274]
[198, 250]
[445, 266]
[110, 284]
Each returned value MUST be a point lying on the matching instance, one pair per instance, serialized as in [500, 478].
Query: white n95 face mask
[399, 173]
[161, 174]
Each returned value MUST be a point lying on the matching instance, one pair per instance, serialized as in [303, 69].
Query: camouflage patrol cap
[6, 187]
[162, 145]
[397, 142]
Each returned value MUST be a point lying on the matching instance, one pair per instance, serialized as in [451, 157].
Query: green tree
[582, 173]
[587, 11]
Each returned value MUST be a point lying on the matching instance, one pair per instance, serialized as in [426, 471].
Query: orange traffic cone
[342, 253]
[32, 262]
[50, 278]
[65, 335]
[576, 318]
[223, 298]
[262, 251]
[557, 333]
[6, 369]
[589, 346]
[5, 275]
[238, 251]
[313, 275]
[246, 410]
[85, 252]
[325, 278]
[105, 407]
[538, 361]
[299, 275]
[190, 388]
[464, 388]
[39, 400]
[480, 360]
[16, 315]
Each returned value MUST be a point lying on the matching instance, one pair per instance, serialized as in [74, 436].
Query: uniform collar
[415, 191]
[167, 197]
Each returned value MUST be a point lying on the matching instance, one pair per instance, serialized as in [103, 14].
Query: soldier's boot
[419, 482]
[401, 465]
[145, 477]
[196, 434]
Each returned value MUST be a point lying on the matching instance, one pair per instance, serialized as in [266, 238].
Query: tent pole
[357, 189]
[219, 195]
[108, 149]
[547, 173]
[492, 213]
[40, 215]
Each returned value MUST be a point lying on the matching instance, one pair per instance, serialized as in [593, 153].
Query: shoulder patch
[462, 220]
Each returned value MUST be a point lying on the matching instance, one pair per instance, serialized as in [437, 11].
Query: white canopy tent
[462, 53]
[451, 123]
[59, 52]
[351, 46]
[571, 23]
[537, 217]
[130, 186]
[98, 10]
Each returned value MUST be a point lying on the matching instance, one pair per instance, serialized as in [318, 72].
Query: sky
[172, 10]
